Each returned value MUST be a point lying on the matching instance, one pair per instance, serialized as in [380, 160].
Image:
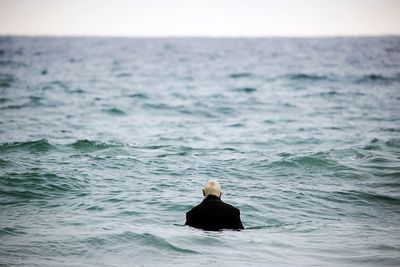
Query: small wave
[5, 163]
[390, 129]
[36, 185]
[267, 121]
[240, 75]
[225, 110]
[151, 147]
[353, 195]
[41, 145]
[245, 90]
[306, 77]
[161, 243]
[115, 111]
[386, 185]
[329, 93]
[60, 84]
[393, 142]
[89, 145]
[122, 75]
[374, 144]
[4, 100]
[76, 91]
[14, 106]
[7, 231]
[171, 148]
[183, 153]
[6, 80]
[192, 112]
[236, 125]
[379, 145]
[95, 208]
[378, 78]
[160, 106]
[142, 240]
[139, 96]
[26, 102]
[6, 62]
[260, 227]
[316, 160]
[130, 213]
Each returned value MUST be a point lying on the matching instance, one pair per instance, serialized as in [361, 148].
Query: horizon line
[194, 36]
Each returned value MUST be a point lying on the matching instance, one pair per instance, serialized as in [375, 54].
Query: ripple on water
[144, 241]
[26, 186]
[11, 231]
[319, 160]
[363, 197]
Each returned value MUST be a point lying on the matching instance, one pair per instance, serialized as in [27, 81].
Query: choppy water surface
[105, 144]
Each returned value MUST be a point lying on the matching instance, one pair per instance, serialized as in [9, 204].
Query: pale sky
[200, 17]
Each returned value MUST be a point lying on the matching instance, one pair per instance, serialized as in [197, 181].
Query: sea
[106, 143]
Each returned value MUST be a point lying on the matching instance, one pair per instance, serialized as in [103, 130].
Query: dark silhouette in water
[212, 213]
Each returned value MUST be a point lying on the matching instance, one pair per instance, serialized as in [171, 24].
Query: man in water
[212, 214]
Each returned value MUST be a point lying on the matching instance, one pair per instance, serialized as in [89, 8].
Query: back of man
[212, 213]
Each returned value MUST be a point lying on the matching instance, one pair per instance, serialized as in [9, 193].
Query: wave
[139, 96]
[6, 80]
[240, 75]
[44, 145]
[245, 90]
[364, 79]
[306, 77]
[393, 142]
[41, 145]
[86, 145]
[141, 239]
[115, 111]
[36, 185]
[5, 163]
[379, 145]
[4, 100]
[378, 78]
[123, 75]
[76, 91]
[89, 145]
[160, 106]
[315, 160]
[27, 102]
[11, 231]
[353, 195]
[340, 162]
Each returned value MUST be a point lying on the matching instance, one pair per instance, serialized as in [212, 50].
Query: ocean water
[105, 144]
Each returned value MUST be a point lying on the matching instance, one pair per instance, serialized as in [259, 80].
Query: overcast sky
[200, 17]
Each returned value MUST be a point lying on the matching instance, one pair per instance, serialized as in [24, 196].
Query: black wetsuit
[213, 214]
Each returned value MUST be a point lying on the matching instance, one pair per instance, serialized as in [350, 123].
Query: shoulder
[231, 208]
[195, 208]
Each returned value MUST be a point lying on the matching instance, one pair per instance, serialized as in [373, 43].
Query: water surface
[105, 143]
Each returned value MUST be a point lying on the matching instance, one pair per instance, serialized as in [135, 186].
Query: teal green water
[106, 143]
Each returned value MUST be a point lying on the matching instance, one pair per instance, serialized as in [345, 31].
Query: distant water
[105, 144]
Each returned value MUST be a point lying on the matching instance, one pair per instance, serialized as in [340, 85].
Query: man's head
[212, 188]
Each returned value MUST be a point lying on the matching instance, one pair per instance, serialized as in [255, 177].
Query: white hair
[212, 188]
